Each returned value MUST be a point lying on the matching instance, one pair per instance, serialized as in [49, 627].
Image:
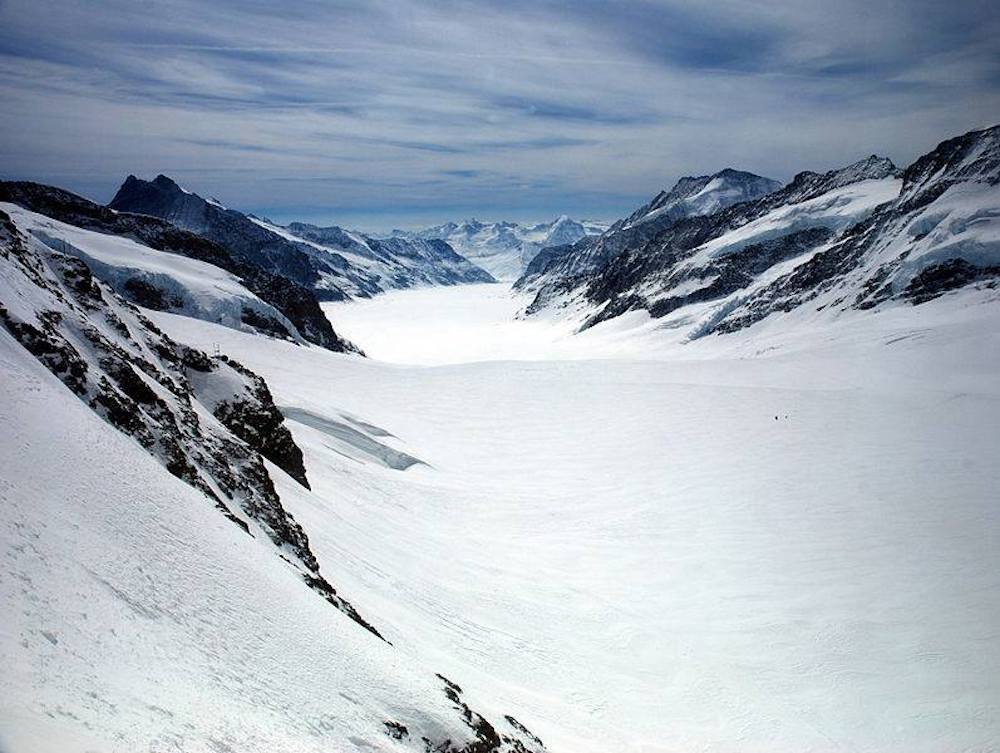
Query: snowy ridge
[393, 263]
[690, 197]
[333, 263]
[705, 194]
[159, 280]
[209, 421]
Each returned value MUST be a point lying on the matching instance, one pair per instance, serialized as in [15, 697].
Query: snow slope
[138, 618]
[154, 584]
[188, 286]
[780, 543]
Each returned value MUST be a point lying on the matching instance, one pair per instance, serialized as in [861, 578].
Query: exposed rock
[516, 739]
[396, 731]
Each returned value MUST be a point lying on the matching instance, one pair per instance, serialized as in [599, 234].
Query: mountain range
[505, 249]
[856, 237]
[334, 263]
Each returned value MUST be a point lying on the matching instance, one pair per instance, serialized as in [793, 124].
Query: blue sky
[401, 113]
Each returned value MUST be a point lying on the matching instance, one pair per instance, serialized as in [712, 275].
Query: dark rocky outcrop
[952, 274]
[515, 739]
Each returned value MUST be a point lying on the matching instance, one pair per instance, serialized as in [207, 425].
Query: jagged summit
[973, 156]
[807, 184]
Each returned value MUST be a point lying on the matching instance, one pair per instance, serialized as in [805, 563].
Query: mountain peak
[165, 182]
[973, 156]
[703, 194]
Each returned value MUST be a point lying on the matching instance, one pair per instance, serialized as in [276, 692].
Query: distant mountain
[505, 249]
[855, 237]
[157, 265]
[335, 264]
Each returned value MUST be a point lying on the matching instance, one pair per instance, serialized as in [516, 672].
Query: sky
[404, 113]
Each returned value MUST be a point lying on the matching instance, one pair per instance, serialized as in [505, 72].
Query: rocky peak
[808, 184]
[166, 183]
[700, 195]
[973, 156]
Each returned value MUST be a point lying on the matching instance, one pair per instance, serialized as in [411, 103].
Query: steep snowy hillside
[851, 238]
[124, 250]
[342, 265]
[505, 249]
[157, 590]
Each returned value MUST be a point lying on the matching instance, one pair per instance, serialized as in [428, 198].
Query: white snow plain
[783, 540]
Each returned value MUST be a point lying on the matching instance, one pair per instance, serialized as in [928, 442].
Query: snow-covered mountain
[335, 264]
[505, 249]
[155, 264]
[695, 196]
[850, 238]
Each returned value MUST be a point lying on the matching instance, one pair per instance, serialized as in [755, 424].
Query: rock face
[505, 248]
[855, 237]
[209, 420]
[333, 263]
[294, 302]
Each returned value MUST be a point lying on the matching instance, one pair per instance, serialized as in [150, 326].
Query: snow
[781, 540]
[963, 222]
[639, 556]
[137, 617]
[202, 290]
[836, 210]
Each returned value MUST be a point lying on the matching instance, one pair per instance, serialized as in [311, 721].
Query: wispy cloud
[378, 107]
